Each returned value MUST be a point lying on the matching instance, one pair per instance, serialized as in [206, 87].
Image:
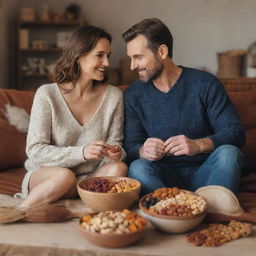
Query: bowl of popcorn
[113, 228]
[173, 210]
[108, 193]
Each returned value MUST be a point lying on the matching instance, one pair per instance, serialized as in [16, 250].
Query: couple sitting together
[177, 125]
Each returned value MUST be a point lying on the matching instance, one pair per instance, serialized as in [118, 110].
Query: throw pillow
[17, 117]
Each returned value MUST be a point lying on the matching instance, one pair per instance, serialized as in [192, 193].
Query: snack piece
[114, 148]
[122, 186]
[174, 202]
[99, 185]
[109, 186]
[218, 234]
[113, 222]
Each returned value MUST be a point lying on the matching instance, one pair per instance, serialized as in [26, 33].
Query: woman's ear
[163, 51]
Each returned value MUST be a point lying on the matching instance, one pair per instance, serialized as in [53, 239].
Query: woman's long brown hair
[82, 41]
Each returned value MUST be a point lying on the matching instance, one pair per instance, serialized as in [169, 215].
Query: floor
[63, 238]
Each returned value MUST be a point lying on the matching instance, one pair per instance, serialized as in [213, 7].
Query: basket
[230, 63]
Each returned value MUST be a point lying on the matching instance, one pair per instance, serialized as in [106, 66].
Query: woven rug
[59, 211]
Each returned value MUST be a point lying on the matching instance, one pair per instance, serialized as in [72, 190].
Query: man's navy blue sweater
[197, 106]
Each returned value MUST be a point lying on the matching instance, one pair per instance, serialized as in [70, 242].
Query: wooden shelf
[45, 31]
[239, 83]
[41, 50]
[49, 24]
[34, 76]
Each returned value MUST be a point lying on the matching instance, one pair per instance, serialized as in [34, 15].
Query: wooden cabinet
[239, 83]
[37, 49]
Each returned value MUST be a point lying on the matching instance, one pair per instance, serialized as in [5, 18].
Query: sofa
[12, 142]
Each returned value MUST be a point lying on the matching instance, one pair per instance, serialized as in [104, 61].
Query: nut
[110, 222]
[218, 234]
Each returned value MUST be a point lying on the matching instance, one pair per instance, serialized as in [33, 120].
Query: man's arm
[134, 132]
[223, 117]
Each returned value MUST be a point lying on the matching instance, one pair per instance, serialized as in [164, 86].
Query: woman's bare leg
[49, 184]
[119, 169]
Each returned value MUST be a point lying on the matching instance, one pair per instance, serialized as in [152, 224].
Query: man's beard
[154, 72]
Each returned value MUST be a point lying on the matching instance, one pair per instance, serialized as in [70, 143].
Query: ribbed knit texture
[196, 106]
[55, 138]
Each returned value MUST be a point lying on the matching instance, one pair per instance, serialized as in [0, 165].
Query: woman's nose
[106, 61]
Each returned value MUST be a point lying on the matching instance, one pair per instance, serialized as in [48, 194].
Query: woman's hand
[114, 152]
[96, 150]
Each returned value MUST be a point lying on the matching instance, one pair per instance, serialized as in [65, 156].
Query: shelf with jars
[39, 45]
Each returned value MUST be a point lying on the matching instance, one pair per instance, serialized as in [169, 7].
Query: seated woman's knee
[119, 169]
[64, 176]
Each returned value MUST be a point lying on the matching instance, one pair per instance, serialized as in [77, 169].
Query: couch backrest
[12, 142]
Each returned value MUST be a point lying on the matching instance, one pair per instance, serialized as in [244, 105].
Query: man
[181, 128]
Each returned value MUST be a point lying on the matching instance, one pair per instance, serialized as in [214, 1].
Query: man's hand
[182, 145]
[152, 149]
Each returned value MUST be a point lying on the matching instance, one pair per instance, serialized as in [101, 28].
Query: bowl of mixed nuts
[113, 228]
[173, 210]
[108, 193]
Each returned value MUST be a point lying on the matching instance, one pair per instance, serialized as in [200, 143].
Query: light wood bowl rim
[115, 178]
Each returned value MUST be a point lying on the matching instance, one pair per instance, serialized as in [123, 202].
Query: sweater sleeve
[223, 117]
[134, 132]
[39, 149]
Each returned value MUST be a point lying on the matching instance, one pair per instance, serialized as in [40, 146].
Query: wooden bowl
[171, 224]
[99, 201]
[113, 240]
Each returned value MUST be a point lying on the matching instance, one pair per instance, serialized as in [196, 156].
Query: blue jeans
[222, 167]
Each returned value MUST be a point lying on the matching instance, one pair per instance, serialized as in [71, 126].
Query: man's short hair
[156, 32]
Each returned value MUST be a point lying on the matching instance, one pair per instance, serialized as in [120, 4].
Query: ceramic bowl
[99, 201]
[113, 240]
[171, 224]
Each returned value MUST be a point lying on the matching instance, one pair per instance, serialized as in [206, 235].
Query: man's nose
[133, 65]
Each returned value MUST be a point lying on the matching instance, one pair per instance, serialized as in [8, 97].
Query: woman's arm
[39, 146]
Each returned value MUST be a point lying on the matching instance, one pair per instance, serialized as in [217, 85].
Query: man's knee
[140, 167]
[228, 154]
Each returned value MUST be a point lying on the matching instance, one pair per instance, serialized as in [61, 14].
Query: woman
[74, 122]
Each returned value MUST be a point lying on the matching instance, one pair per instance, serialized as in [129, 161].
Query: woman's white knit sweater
[55, 137]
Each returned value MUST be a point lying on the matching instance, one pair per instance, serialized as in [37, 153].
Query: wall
[8, 10]
[201, 28]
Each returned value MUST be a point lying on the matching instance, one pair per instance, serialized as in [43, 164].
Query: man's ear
[163, 51]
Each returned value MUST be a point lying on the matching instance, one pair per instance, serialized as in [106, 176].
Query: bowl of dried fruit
[173, 210]
[108, 193]
[113, 228]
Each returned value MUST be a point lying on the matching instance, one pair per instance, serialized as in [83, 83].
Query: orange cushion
[12, 142]
[12, 146]
[245, 104]
[10, 181]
